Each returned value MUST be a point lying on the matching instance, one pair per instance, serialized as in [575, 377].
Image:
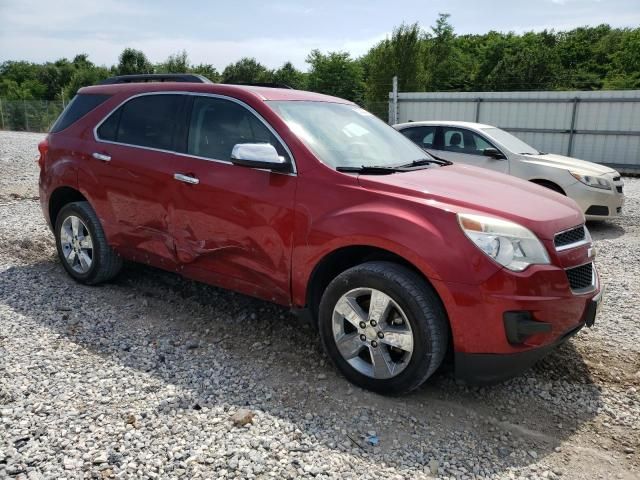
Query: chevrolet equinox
[311, 202]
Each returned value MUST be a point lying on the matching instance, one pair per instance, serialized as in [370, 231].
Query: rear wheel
[383, 326]
[82, 245]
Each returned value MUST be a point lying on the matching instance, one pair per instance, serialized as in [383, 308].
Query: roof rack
[262, 84]
[156, 77]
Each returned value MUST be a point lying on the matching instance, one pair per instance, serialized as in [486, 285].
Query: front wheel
[383, 326]
[82, 245]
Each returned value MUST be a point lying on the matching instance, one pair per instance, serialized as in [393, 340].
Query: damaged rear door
[232, 225]
[133, 165]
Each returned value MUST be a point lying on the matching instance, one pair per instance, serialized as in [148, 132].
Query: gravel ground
[141, 378]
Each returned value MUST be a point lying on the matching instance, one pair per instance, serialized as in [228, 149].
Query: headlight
[511, 245]
[595, 182]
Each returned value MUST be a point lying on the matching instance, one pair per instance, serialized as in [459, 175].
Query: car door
[233, 225]
[461, 145]
[133, 166]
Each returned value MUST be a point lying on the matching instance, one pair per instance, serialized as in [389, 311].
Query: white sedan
[597, 189]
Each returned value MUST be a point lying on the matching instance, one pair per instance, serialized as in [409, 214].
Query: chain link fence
[29, 115]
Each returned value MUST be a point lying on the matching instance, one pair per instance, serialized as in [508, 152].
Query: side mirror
[258, 155]
[493, 153]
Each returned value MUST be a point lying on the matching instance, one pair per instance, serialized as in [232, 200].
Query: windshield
[346, 135]
[510, 142]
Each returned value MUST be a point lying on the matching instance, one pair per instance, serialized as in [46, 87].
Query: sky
[273, 31]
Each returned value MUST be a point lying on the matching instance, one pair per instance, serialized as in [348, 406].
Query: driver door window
[217, 125]
[464, 146]
[460, 140]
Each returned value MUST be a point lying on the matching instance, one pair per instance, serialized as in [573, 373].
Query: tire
[104, 262]
[412, 301]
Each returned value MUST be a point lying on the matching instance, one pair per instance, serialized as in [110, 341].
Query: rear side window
[77, 108]
[147, 121]
[423, 136]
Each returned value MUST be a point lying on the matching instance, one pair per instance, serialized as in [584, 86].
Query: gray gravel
[154, 376]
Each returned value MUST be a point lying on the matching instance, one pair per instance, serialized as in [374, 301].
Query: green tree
[398, 56]
[132, 61]
[246, 70]
[176, 63]
[206, 70]
[288, 75]
[625, 62]
[336, 73]
[443, 61]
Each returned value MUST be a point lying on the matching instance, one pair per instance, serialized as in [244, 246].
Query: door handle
[102, 157]
[186, 178]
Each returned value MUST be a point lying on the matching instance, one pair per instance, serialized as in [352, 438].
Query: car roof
[444, 123]
[240, 91]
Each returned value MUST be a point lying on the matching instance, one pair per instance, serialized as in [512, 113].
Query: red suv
[311, 202]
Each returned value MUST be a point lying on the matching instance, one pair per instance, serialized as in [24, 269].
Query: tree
[625, 71]
[175, 63]
[444, 65]
[398, 56]
[206, 70]
[288, 75]
[246, 70]
[335, 73]
[132, 61]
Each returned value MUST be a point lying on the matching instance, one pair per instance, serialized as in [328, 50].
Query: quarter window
[147, 121]
[77, 108]
[217, 125]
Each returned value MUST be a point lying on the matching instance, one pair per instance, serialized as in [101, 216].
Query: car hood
[567, 163]
[463, 188]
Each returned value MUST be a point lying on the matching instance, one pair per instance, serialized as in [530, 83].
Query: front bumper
[595, 203]
[484, 369]
[483, 348]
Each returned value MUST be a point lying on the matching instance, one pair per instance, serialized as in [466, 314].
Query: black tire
[105, 263]
[550, 186]
[419, 302]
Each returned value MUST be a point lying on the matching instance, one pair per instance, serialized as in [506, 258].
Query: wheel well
[59, 198]
[550, 185]
[340, 260]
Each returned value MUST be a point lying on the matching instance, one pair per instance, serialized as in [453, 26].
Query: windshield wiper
[371, 169]
[530, 153]
[426, 161]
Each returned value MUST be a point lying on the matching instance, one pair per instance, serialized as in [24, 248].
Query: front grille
[619, 188]
[580, 277]
[568, 237]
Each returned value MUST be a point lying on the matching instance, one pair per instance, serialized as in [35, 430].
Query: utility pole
[26, 117]
[394, 102]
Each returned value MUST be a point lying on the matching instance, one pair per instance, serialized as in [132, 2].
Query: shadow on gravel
[220, 348]
[605, 230]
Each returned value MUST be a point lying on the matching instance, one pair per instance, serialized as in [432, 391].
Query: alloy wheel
[372, 333]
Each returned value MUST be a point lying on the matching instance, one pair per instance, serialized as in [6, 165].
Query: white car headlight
[509, 244]
[590, 180]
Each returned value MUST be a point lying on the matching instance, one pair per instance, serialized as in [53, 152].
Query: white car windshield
[510, 142]
[346, 135]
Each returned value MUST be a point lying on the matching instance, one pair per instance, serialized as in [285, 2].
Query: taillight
[43, 148]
